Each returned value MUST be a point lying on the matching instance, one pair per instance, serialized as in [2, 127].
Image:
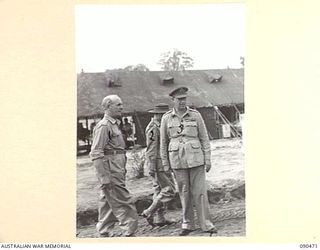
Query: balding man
[109, 159]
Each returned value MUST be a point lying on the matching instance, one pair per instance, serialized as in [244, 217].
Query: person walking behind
[109, 159]
[164, 187]
[185, 148]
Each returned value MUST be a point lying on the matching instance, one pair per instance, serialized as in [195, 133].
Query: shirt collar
[156, 122]
[174, 113]
[112, 120]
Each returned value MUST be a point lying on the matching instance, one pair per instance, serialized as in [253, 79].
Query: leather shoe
[166, 222]
[185, 232]
[130, 235]
[212, 231]
[106, 235]
[149, 218]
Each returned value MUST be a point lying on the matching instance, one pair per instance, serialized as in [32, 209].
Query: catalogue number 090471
[308, 245]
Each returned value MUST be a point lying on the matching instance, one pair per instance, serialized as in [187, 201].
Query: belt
[114, 152]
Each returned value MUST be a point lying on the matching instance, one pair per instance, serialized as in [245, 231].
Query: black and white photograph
[160, 120]
[151, 124]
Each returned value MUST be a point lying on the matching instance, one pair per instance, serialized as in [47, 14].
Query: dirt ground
[225, 184]
[228, 218]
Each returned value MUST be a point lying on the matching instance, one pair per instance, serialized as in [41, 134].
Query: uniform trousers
[115, 204]
[192, 190]
[164, 191]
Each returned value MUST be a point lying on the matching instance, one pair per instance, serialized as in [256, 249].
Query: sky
[115, 36]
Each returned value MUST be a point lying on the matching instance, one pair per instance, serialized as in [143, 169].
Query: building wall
[208, 115]
[141, 120]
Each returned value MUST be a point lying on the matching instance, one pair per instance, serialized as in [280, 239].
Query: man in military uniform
[164, 187]
[109, 159]
[185, 148]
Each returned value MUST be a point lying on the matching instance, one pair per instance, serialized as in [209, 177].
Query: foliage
[175, 60]
[138, 67]
[138, 159]
[242, 61]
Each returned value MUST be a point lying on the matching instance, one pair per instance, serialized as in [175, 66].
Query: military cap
[179, 92]
[160, 108]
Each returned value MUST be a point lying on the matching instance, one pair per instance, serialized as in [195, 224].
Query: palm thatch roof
[140, 90]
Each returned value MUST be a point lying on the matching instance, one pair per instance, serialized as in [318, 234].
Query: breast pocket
[195, 154]
[173, 147]
[116, 137]
[174, 129]
[191, 129]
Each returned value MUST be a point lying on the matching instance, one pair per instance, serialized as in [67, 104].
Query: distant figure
[109, 159]
[92, 127]
[82, 133]
[164, 187]
[127, 131]
[185, 148]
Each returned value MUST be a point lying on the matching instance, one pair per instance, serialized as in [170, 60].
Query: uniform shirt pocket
[115, 132]
[116, 137]
[191, 129]
[173, 147]
[174, 128]
[195, 154]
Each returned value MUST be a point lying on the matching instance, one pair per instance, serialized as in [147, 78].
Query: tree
[175, 60]
[138, 67]
[242, 61]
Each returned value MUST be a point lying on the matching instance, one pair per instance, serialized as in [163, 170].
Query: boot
[148, 213]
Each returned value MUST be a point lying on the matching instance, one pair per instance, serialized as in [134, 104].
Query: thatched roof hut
[140, 90]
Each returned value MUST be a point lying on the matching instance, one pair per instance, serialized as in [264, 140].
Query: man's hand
[152, 168]
[166, 168]
[169, 173]
[152, 173]
[106, 186]
[102, 173]
[208, 167]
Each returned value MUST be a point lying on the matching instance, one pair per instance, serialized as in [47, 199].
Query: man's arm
[164, 141]
[100, 138]
[204, 141]
[151, 151]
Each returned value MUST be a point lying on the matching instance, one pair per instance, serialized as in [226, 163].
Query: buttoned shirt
[153, 159]
[184, 141]
[106, 136]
